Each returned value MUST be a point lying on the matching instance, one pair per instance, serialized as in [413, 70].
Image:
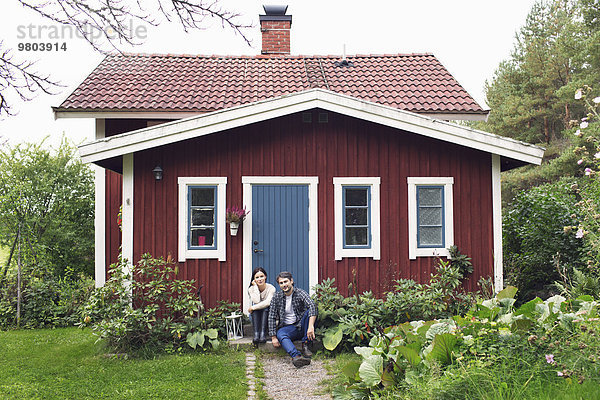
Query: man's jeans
[288, 333]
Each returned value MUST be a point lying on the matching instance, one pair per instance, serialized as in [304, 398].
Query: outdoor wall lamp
[158, 173]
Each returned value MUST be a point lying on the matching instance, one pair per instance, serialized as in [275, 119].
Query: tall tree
[49, 197]
[526, 95]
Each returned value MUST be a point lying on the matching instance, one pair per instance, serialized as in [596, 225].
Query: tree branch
[105, 25]
[21, 78]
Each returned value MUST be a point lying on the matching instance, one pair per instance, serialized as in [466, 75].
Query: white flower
[597, 155]
[578, 94]
[597, 99]
[579, 233]
[583, 125]
[580, 161]
[578, 133]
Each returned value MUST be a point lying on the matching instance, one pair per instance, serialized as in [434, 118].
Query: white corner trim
[100, 215]
[100, 226]
[497, 223]
[127, 214]
[413, 182]
[375, 250]
[313, 230]
[183, 253]
[233, 117]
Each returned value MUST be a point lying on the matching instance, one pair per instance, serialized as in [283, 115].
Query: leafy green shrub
[355, 317]
[154, 310]
[440, 298]
[47, 301]
[535, 239]
[354, 320]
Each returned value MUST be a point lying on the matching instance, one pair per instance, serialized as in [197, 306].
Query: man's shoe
[300, 361]
[306, 351]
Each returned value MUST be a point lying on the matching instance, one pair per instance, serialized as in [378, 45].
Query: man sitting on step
[292, 316]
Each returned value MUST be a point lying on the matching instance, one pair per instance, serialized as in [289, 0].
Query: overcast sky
[470, 37]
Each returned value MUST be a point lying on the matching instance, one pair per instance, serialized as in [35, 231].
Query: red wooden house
[347, 165]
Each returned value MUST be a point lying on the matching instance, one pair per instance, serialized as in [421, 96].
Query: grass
[4, 252]
[259, 373]
[66, 363]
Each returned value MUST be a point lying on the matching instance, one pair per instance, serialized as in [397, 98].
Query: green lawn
[66, 363]
[4, 252]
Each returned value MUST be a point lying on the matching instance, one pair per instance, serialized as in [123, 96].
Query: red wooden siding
[114, 199]
[344, 146]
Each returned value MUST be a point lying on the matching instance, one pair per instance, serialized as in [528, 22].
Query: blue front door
[280, 231]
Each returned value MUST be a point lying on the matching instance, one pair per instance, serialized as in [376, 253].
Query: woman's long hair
[258, 269]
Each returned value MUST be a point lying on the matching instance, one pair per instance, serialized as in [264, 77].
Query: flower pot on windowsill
[233, 228]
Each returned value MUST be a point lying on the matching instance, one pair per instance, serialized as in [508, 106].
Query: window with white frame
[357, 214]
[201, 228]
[430, 216]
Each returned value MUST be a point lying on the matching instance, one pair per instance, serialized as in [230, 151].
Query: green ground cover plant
[67, 363]
[542, 349]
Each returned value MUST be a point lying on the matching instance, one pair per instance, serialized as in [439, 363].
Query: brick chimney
[275, 27]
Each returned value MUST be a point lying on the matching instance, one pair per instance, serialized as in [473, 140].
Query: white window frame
[375, 250]
[413, 250]
[184, 252]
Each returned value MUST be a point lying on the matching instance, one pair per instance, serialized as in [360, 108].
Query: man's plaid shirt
[301, 301]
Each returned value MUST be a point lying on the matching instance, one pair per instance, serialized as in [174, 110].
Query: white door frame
[247, 182]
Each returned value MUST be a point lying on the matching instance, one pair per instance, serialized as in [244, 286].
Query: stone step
[246, 341]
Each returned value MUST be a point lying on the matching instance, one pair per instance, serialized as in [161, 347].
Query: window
[357, 213]
[430, 216]
[201, 218]
[357, 229]
[202, 201]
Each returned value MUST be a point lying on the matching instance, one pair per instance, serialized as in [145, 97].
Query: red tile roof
[139, 82]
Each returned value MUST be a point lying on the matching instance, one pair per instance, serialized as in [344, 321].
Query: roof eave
[221, 120]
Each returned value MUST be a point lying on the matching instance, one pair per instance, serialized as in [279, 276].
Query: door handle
[258, 251]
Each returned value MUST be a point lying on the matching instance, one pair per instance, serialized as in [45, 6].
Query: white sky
[470, 37]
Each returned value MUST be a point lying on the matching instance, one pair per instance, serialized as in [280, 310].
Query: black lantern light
[158, 173]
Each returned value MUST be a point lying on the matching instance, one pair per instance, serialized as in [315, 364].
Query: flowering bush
[236, 214]
[588, 152]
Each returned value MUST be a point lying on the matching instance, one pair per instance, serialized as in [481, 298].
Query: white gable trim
[234, 117]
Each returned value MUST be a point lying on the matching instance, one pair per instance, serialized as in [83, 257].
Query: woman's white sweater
[260, 299]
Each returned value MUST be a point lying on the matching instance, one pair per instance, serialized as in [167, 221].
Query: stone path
[250, 366]
[283, 381]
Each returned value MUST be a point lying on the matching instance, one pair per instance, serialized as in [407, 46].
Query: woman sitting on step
[260, 293]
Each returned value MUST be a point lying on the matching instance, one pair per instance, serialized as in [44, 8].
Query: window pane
[430, 196]
[356, 197]
[203, 217]
[203, 197]
[356, 216]
[430, 236]
[356, 236]
[203, 237]
[430, 216]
